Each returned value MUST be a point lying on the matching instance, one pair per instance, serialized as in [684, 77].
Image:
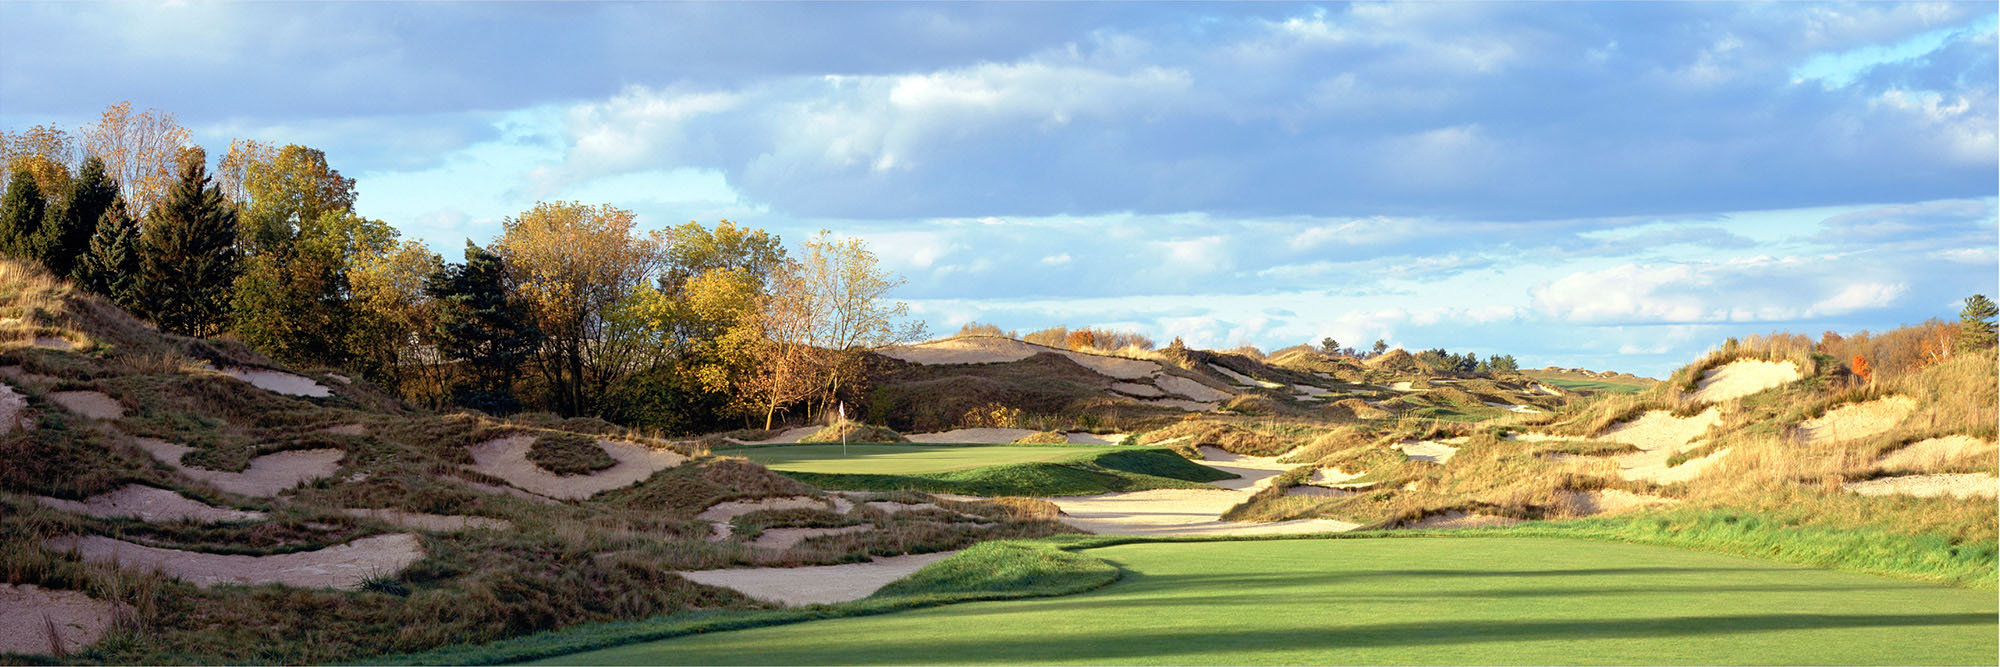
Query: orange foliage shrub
[1861, 368]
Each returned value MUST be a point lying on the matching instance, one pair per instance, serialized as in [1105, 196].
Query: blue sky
[1616, 185]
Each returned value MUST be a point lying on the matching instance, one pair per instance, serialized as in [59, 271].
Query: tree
[21, 212]
[69, 224]
[188, 257]
[779, 335]
[1862, 369]
[480, 324]
[848, 311]
[1380, 347]
[1502, 364]
[45, 151]
[232, 172]
[1329, 345]
[692, 250]
[394, 318]
[111, 266]
[1975, 323]
[142, 152]
[290, 193]
[573, 263]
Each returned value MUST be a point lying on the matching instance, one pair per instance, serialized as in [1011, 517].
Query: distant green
[983, 470]
[1597, 385]
[903, 459]
[1495, 600]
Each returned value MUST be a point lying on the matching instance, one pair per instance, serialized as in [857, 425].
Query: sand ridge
[149, 504]
[1856, 420]
[344, 566]
[1743, 377]
[819, 584]
[1959, 485]
[267, 475]
[507, 459]
[27, 611]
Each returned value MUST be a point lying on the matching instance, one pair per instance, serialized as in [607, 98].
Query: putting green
[899, 459]
[1401, 601]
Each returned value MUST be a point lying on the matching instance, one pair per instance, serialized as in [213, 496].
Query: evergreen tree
[110, 267]
[1975, 323]
[188, 258]
[68, 226]
[21, 212]
[479, 324]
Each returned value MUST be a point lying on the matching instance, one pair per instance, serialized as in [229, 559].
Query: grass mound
[1186, 436]
[853, 431]
[1043, 438]
[1062, 471]
[569, 454]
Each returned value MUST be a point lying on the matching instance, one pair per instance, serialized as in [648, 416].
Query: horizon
[1607, 186]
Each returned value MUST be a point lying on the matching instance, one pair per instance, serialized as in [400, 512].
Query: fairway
[1401, 601]
[902, 459]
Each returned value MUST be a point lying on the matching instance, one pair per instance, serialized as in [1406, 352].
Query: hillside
[331, 522]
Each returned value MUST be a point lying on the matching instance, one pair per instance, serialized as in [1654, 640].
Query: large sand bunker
[1434, 451]
[1962, 485]
[437, 523]
[92, 404]
[507, 458]
[12, 403]
[1856, 420]
[266, 476]
[1242, 379]
[29, 613]
[994, 350]
[822, 584]
[1191, 511]
[1190, 388]
[341, 566]
[1743, 377]
[1659, 435]
[278, 382]
[149, 504]
[1136, 389]
[1935, 453]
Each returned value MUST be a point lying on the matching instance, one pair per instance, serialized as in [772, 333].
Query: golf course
[981, 469]
[1473, 600]
[908, 459]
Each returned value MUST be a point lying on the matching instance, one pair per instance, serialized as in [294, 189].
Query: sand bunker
[1079, 438]
[1612, 501]
[993, 350]
[53, 343]
[783, 539]
[1935, 453]
[266, 476]
[145, 503]
[507, 458]
[278, 382]
[27, 611]
[437, 523]
[822, 584]
[1190, 388]
[1244, 380]
[1318, 491]
[1434, 451]
[788, 436]
[1512, 407]
[1455, 519]
[1856, 420]
[1136, 389]
[92, 404]
[341, 566]
[1191, 511]
[1182, 404]
[1311, 391]
[12, 403]
[1963, 485]
[1402, 386]
[1743, 377]
[1659, 435]
[722, 513]
[1659, 429]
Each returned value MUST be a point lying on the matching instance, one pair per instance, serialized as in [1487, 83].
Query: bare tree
[140, 150]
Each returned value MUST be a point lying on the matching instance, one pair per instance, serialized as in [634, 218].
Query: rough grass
[853, 431]
[569, 454]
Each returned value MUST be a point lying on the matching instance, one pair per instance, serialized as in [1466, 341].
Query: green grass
[1494, 600]
[1596, 385]
[983, 470]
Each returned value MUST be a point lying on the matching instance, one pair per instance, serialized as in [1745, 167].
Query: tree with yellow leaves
[141, 151]
[571, 264]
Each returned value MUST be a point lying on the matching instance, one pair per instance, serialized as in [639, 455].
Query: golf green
[1401, 601]
[900, 459]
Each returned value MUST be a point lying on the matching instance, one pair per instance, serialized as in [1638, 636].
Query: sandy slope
[1190, 388]
[822, 584]
[92, 404]
[278, 382]
[782, 539]
[1435, 451]
[507, 458]
[1191, 511]
[1136, 389]
[1934, 453]
[148, 504]
[1612, 501]
[1857, 420]
[1963, 485]
[266, 476]
[340, 566]
[1244, 380]
[1743, 377]
[12, 403]
[720, 514]
[993, 350]
[27, 611]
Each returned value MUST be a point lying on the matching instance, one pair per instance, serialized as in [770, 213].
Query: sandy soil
[92, 404]
[1190, 388]
[1659, 435]
[1513, 408]
[148, 504]
[1318, 491]
[266, 476]
[1935, 453]
[1856, 420]
[822, 584]
[1332, 477]
[1402, 386]
[1191, 511]
[1660, 429]
[1435, 451]
[1311, 391]
[783, 539]
[439, 523]
[12, 403]
[15, 372]
[1136, 389]
[507, 458]
[342, 566]
[789, 436]
[27, 611]
[1182, 403]
[991, 350]
[1962, 485]
[989, 436]
[1612, 501]
[1245, 380]
[278, 381]
[1743, 377]
[720, 514]
[54, 343]
[1079, 438]
[1462, 520]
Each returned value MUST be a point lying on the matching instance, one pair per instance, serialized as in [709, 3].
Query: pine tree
[188, 259]
[68, 226]
[111, 267]
[1975, 323]
[21, 212]
[480, 324]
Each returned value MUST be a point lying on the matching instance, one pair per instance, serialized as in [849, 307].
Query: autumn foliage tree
[141, 151]
[572, 264]
[1862, 369]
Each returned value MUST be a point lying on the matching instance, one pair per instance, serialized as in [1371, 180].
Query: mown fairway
[1402, 601]
[900, 459]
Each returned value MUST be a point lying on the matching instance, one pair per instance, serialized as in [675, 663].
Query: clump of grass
[1043, 438]
[853, 431]
[566, 453]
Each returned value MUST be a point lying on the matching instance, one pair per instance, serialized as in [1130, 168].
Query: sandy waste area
[92, 404]
[149, 504]
[1856, 420]
[1743, 377]
[819, 584]
[28, 612]
[1191, 511]
[1434, 451]
[1934, 453]
[278, 382]
[266, 476]
[340, 566]
[507, 458]
[1659, 435]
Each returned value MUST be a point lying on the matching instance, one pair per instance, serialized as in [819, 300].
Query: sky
[1612, 186]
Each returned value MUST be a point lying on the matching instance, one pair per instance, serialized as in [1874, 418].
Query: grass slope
[984, 470]
[1404, 601]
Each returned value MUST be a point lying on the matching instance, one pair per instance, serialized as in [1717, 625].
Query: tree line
[571, 309]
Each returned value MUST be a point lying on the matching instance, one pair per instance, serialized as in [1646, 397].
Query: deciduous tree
[572, 264]
[395, 322]
[848, 310]
[142, 152]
